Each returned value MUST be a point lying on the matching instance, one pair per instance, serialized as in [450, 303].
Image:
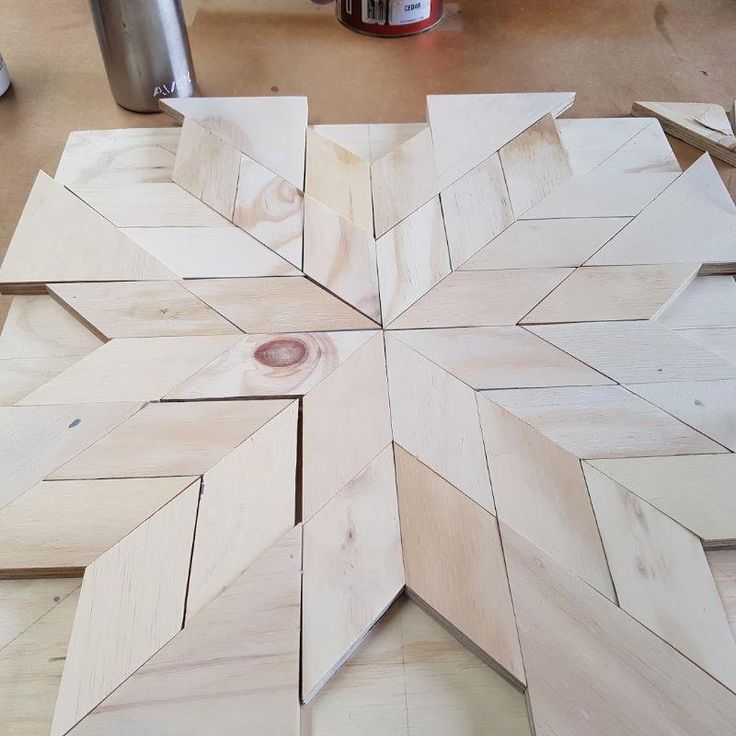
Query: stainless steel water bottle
[145, 48]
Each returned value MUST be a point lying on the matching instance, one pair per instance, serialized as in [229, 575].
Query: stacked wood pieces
[365, 429]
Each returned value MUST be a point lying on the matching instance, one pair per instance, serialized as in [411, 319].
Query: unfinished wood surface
[692, 221]
[462, 578]
[271, 209]
[131, 603]
[141, 309]
[60, 238]
[614, 293]
[235, 663]
[482, 298]
[411, 676]
[565, 243]
[345, 423]
[38, 439]
[636, 352]
[476, 208]
[247, 504]
[719, 340]
[412, 258]
[695, 490]
[662, 577]
[170, 439]
[341, 257]
[285, 364]
[50, 529]
[207, 167]
[263, 305]
[339, 179]
[120, 370]
[540, 492]
[723, 566]
[467, 129]
[592, 668]
[223, 251]
[385, 137]
[709, 301]
[353, 569]
[647, 152]
[435, 417]
[268, 129]
[500, 357]
[534, 164]
[355, 137]
[403, 180]
[701, 124]
[20, 376]
[602, 421]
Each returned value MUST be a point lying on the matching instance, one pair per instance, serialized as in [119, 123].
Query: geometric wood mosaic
[370, 429]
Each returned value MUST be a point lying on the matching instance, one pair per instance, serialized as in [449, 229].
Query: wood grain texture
[462, 578]
[385, 137]
[235, 663]
[648, 151]
[435, 418]
[723, 566]
[662, 577]
[353, 569]
[709, 301]
[719, 340]
[355, 137]
[20, 376]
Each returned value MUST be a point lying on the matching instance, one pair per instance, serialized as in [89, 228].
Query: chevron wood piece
[341, 257]
[709, 301]
[662, 577]
[168, 439]
[723, 566]
[237, 661]
[353, 569]
[47, 531]
[464, 581]
[207, 167]
[247, 504]
[701, 124]
[131, 603]
[669, 484]
[265, 305]
[540, 492]
[435, 418]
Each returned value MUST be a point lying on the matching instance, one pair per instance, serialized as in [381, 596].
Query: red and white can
[390, 17]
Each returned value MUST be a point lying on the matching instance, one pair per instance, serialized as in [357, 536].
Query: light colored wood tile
[719, 340]
[355, 137]
[648, 151]
[723, 566]
[20, 376]
[385, 137]
[709, 301]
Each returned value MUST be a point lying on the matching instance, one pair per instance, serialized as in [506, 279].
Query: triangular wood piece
[268, 129]
[387, 137]
[647, 152]
[467, 129]
[692, 221]
[354, 137]
[236, 662]
[60, 238]
[719, 340]
[704, 125]
[709, 301]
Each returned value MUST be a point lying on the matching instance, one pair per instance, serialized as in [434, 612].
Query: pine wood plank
[131, 603]
[500, 357]
[477, 208]
[608, 293]
[271, 209]
[647, 152]
[403, 180]
[49, 530]
[540, 492]
[662, 577]
[246, 506]
[235, 663]
[141, 309]
[207, 167]
[723, 566]
[602, 421]
[263, 305]
[170, 439]
[355, 137]
[534, 163]
[565, 243]
[341, 257]
[412, 258]
[435, 417]
[345, 424]
[592, 668]
[59, 238]
[120, 370]
[482, 298]
[462, 578]
[20, 376]
[385, 137]
[285, 364]
[353, 569]
[467, 129]
[709, 301]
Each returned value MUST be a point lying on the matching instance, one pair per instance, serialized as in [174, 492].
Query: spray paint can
[4, 77]
[390, 17]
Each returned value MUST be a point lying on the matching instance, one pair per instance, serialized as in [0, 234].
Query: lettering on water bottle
[167, 90]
